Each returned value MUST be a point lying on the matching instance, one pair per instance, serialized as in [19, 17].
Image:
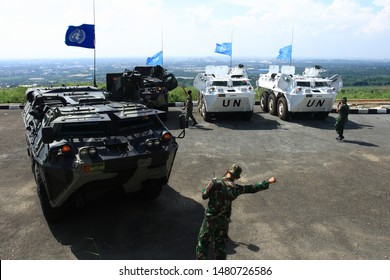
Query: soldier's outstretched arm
[259, 186]
[206, 191]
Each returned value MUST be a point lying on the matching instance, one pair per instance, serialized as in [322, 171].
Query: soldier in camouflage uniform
[221, 192]
[188, 106]
[343, 110]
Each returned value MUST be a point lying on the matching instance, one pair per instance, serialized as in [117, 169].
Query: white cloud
[322, 28]
[381, 21]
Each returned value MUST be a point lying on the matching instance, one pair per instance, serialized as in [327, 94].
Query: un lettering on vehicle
[231, 103]
[315, 103]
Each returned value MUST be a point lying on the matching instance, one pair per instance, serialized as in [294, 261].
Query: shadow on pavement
[164, 229]
[328, 123]
[235, 122]
[361, 143]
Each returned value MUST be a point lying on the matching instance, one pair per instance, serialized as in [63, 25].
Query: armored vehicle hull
[284, 93]
[80, 150]
[224, 90]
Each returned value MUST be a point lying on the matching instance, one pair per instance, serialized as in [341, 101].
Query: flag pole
[94, 49]
[292, 40]
[231, 42]
[162, 45]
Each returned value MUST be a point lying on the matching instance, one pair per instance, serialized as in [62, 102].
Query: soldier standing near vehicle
[343, 110]
[188, 106]
[221, 192]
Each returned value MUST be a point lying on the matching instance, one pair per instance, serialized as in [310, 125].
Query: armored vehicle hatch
[148, 85]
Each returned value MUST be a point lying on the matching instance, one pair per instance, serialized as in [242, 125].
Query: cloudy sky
[342, 29]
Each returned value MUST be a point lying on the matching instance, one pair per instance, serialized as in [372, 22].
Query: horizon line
[269, 59]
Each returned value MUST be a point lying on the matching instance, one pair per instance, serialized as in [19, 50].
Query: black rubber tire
[282, 109]
[206, 115]
[51, 214]
[272, 104]
[263, 101]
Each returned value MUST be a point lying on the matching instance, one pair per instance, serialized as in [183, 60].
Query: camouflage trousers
[213, 229]
[339, 126]
[189, 115]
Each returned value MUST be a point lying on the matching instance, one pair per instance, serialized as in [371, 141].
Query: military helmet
[235, 170]
[344, 99]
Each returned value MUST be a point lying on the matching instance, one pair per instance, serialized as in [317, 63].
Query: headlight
[156, 142]
[88, 152]
[149, 143]
[152, 143]
[83, 153]
[92, 152]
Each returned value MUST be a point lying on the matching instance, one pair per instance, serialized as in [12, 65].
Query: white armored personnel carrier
[224, 90]
[285, 93]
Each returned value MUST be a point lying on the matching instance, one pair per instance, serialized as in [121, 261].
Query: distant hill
[80, 71]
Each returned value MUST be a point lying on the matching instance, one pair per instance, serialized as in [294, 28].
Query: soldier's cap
[235, 170]
[344, 99]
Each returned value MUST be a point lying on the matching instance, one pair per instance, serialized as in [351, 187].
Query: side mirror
[47, 134]
[183, 123]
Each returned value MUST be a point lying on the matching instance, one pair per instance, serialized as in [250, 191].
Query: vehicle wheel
[206, 115]
[282, 109]
[33, 167]
[200, 103]
[263, 101]
[321, 115]
[51, 214]
[247, 116]
[151, 191]
[272, 104]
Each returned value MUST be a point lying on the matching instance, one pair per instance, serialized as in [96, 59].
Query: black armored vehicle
[147, 84]
[82, 145]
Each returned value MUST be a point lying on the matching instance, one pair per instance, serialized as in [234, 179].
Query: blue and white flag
[156, 59]
[81, 36]
[224, 48]
[285, 52]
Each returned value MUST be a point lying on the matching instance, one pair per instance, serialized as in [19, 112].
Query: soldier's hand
[272, 180]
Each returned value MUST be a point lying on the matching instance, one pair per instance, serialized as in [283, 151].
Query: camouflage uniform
[220, 192]
[342, 118]
[189, 107]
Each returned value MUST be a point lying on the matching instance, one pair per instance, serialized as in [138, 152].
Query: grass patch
[13, 95]
[178, 95]
[365, 92]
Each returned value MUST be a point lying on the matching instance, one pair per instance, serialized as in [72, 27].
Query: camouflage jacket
[189, 103]
[222, 191]
[343, 112]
